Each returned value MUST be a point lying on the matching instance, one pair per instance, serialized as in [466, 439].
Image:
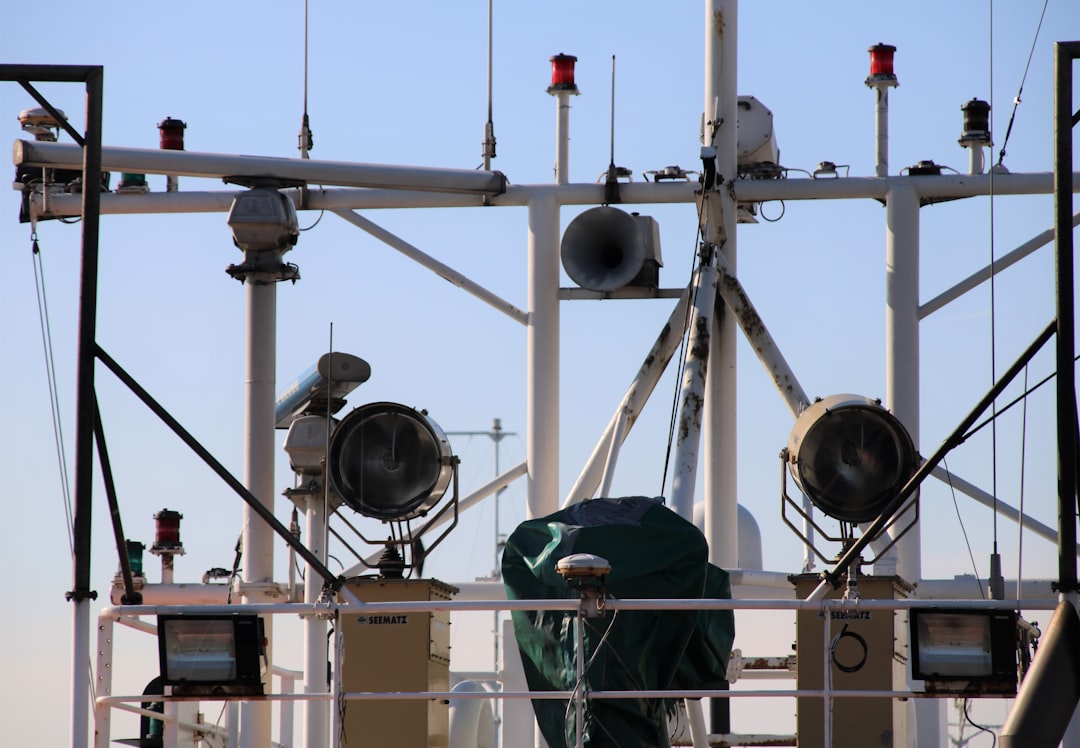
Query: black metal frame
[87, 419]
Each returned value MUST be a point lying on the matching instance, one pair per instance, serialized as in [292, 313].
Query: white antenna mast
[306, 142]
[611, 186]
[489, 127]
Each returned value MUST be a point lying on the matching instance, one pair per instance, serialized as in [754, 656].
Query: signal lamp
[562, 74]
[881, 59]
[390, 462]
[956, 651]
[850, 457]
[212, 655]
[172, 134]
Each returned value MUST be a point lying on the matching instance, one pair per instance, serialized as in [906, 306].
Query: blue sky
[406, 84]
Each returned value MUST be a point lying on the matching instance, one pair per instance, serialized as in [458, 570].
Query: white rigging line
[1020, 521]
[1023, 79]
[995, 559]
[54, 396]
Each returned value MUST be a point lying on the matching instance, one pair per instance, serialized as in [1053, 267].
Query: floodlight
[850, 457]
[390, 462]
[212, 655]
[959, 650]
[263, 219]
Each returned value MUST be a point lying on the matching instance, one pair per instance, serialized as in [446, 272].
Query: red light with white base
[881, 65]
[562, 74]
[167, 534]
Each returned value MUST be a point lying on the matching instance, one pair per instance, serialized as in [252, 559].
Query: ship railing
[105, 701]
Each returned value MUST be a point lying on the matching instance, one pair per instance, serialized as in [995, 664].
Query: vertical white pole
[881, 128]
[103, 714]
[902, 338]
[316, 713]
[562, 138]
[720, 444]
[692, 397]
[579, 686]
[542, 428]
[976, 161]
[258, 537]
[902, 398]
[80, 659]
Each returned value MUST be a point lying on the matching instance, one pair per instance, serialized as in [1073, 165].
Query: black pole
[241, 490]
[84, 406]
[131, 597]
[1064, 121]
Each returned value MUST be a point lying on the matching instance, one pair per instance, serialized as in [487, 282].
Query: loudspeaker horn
[604, 249]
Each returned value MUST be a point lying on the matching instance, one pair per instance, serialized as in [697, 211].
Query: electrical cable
[963, 529]
[690, 306]
[585, 670]
[967, 716]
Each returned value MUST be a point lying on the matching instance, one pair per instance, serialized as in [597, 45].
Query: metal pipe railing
[106, 700]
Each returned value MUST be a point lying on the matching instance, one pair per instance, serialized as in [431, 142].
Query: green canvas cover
[653, 553]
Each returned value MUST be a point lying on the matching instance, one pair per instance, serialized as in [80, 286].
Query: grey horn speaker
[603, 249]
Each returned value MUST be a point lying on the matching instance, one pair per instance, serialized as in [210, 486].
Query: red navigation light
[168, 529]
[172, 134]
[881, 60]
[562, 73]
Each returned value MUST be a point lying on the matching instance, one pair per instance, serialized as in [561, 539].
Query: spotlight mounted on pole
[393, 463]
[850, 457]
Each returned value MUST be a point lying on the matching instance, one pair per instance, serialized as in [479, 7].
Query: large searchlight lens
[850, 457]
[389, 461]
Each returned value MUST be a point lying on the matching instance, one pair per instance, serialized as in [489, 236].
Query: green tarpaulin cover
[653, 553]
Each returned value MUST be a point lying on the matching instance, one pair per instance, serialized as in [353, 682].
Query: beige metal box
[878, 666]
[397, 652]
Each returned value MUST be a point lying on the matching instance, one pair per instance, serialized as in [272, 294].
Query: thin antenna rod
[611, 185]
[306, 142]
[612, 112]
[489, 127]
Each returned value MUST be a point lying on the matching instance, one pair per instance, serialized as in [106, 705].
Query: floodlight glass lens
[200, 651]
[852, 461]
[387, 462]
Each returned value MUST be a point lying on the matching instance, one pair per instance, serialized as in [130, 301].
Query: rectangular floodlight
[211, 655]
[957, 651]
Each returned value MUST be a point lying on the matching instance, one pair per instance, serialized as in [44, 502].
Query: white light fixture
[217, 656]
[850, 456]
[263, 219]
[390, 462]
[957, 651]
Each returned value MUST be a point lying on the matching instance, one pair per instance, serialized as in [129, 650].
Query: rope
[50, 371]
[993, 314]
